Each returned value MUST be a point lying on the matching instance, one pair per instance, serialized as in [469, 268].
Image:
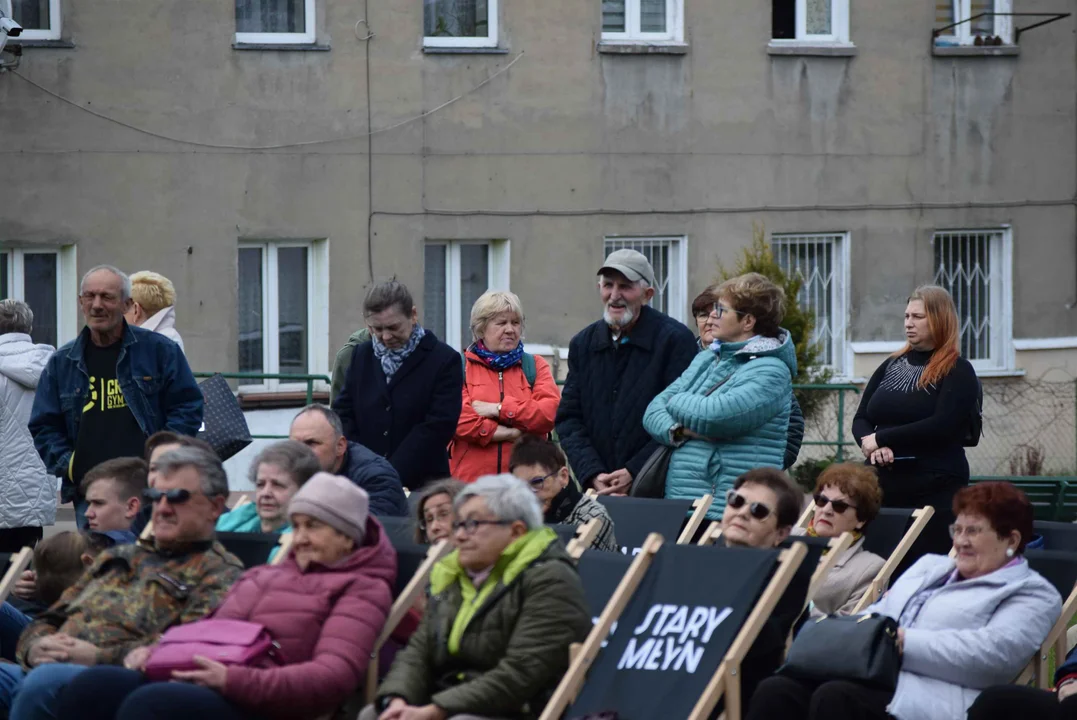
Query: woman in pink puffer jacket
[325, 605]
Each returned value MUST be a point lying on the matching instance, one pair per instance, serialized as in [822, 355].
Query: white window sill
[1000, 373]
[441, 50]
[975, 50]
[293, 47]
[642, 47]
[811, 49]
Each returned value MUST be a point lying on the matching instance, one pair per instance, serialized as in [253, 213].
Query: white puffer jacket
[164, 322]
[27, 491]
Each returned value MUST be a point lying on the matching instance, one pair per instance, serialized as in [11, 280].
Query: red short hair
[1004, 506]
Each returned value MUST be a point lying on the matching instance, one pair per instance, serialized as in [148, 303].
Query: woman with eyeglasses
[729, 411]
[965, 624]
[505, 606]
[847, 498]
[433, 512]
[323, 606]
[277, 473]
[543, 466]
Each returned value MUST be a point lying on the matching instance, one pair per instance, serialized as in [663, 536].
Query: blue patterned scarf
[391, 360]
[498, 360]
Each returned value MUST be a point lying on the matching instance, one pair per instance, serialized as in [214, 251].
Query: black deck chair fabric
[1057, 535]
[601, 572]
[636, 518]
[565, 533]
[1057, 567]
[399, 529]
[252, 549]
[409, 556]
[675, 631]
[884, 533]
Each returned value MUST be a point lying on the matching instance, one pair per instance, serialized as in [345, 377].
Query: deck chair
[242, 500]
[16, 563]
[583, 537]
[399, 529]
[565, 532]
[679, 661]
[888, 537]
[421, 559]
[252, 549]
[636, 518]
[1057, 535]
[1060, 569]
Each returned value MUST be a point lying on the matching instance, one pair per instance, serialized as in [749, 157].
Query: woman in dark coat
[401, 397]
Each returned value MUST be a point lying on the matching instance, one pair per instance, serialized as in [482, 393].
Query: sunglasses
[757, 510]
[537, 482]
[840, 506]
[176, 496]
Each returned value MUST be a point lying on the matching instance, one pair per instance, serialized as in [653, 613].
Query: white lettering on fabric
[678, 637]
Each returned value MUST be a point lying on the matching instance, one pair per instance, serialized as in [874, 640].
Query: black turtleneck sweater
[926, 424]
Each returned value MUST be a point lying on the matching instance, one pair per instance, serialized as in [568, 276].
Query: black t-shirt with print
[108, 428]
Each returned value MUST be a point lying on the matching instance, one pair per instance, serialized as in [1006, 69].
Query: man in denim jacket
[106, 391]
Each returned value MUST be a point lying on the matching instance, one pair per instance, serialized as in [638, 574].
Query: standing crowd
[492, 453]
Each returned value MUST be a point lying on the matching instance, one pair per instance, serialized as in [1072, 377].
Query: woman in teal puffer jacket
[729, 411]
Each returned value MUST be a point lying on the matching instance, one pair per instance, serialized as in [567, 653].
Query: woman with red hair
[915, 413]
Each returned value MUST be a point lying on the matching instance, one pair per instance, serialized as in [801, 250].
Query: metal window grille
[818, 260]
[666, 257]
[967, 265]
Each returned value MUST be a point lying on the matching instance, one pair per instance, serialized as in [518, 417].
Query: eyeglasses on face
[757, 510]
[840, 506]
[971, 532]
[720, 310]
[107, 298]
[175, 496]
[471, 525]
[443, 514]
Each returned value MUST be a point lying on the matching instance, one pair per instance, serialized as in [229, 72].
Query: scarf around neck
[498, 360]
[391, 360]
[563, 503]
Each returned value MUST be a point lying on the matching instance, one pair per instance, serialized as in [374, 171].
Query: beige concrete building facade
[273, 157]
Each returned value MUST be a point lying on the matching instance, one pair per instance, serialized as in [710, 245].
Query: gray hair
[125, 282]
[326, 412]
[294, 458]
[208, 465]
[508, 498]
[15, 317]
[491, 304]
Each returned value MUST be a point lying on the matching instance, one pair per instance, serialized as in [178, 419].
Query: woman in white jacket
[154, 303]
[27, 491]
[965, 624]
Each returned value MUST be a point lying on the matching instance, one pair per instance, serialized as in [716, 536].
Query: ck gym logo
[678, 637]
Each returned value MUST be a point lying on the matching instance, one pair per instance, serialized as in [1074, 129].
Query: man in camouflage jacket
[132, 593]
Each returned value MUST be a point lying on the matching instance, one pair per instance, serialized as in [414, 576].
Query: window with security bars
[814, 21]
[40, 19]
[643, 20]
[819, 261]
[970, 265]
[667, 256]
[275, 21]
[987, 26]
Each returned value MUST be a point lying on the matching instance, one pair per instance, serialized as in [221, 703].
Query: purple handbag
[230, 642]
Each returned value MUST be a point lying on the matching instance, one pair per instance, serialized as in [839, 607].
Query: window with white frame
[991, 28]
[460, 23]
[44, 280]
[819, 259]
[668, 258]
[455, 274]
[275, 22]
[643, 21]
[40, 19]
[283, 311]
[975, 266]
[810, 21]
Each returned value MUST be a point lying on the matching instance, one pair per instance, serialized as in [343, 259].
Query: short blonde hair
[152, 291]
[491, 304]
[755, 295]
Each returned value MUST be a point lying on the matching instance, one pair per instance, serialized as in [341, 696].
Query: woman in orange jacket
[507, 392]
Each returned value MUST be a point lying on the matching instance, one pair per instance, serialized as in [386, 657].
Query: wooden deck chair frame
[19, 562]
[712, 534]
[836, 548]
[242, 500]
[585, 535]
[702, 505]
[581, 657]
[403, 603]
[726, 679]
[285, 544]
[1037, 667]
[805, 517]
[878, 586]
